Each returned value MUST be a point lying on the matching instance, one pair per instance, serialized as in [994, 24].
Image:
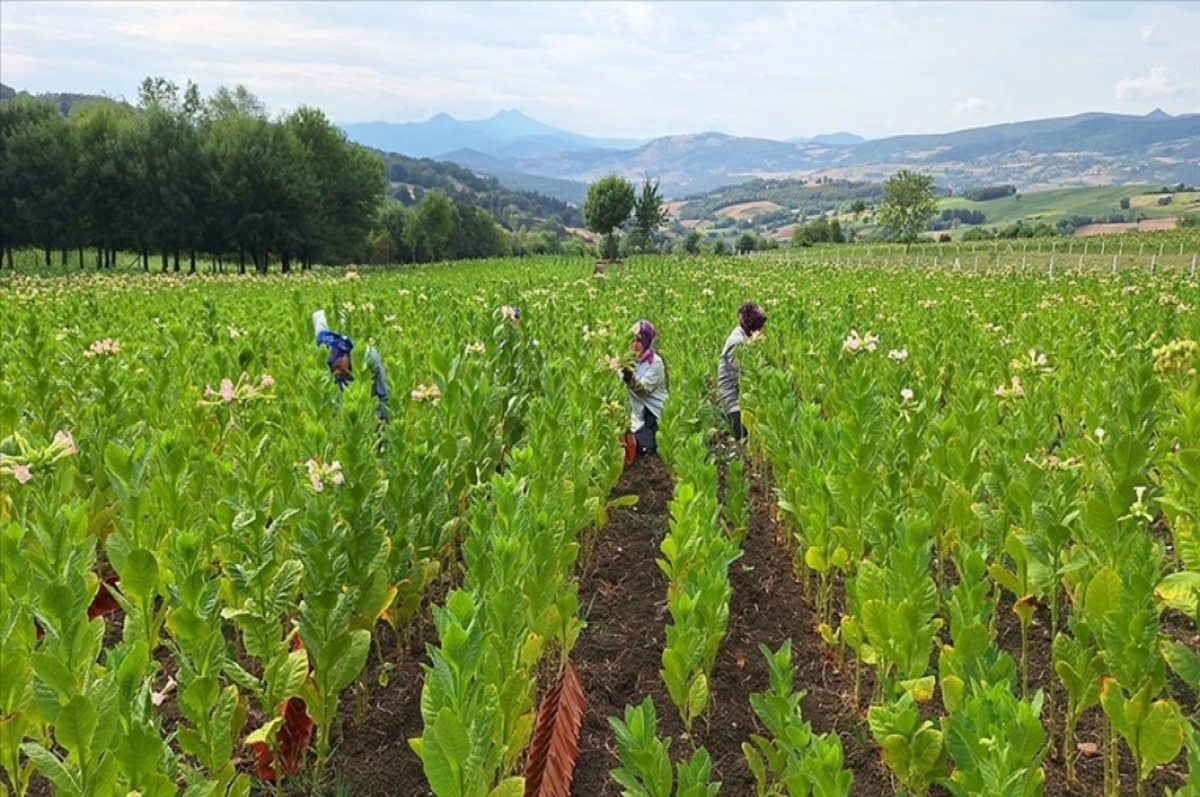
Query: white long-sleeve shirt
[648, 390]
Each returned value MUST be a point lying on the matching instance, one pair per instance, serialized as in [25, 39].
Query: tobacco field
[959, 553]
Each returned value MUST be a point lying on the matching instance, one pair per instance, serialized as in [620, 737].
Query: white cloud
[971, 105]
[1159, 83]
[633, 69]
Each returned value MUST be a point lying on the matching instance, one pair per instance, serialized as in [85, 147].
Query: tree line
[181, 177]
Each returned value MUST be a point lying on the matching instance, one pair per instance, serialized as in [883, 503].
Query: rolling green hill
[1098, 203]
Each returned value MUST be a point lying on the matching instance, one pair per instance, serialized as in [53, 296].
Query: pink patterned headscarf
[643, 330]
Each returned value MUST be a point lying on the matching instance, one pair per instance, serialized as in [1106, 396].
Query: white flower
[899, 355]
[1100, 433]
[906, 394]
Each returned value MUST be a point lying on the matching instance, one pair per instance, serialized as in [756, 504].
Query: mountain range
[1081, 150]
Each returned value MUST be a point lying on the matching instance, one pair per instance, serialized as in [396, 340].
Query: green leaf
[1183, 660]
[349, 653]
[697, 699]
[54, 674]
[1162, 735]
[76, 725]
[1180, 591]
[509, 787]
[1103, 596]
[54, 769]
[139, 576]
[446, 747]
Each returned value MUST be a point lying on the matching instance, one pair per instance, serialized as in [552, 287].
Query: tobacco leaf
[554, 748]
[294, 737]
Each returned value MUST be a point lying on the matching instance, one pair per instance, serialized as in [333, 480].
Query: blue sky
[635, 69]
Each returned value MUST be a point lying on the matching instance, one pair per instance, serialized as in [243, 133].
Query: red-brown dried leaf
[104, 603]
[294, 737]
[554, 749]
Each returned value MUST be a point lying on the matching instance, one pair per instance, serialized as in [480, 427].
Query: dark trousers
[735, 421]
[647, 436]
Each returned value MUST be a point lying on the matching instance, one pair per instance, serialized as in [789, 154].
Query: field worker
[340, 364]
[646, 383]
[751, 319]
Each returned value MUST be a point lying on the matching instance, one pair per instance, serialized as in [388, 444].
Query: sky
[632, 69]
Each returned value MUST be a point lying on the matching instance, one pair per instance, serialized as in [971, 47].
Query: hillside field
[1050, 206]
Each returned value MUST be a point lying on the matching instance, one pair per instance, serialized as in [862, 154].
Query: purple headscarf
[751, 317]
[643, 330]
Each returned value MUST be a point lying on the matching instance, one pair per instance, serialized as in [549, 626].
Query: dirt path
[619, 655]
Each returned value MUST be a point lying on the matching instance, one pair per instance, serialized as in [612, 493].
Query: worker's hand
[626, 374]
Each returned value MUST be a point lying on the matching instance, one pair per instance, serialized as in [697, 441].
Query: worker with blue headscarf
[341, 366]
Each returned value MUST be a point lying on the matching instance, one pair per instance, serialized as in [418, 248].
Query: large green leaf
[349, 654]
[76, 725]
[1161, 735]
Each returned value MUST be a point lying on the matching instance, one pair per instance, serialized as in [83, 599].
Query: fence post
[1193, 265]
[1114, 268]
[1081, 264]
[1052, 266]
[1153, 263]
[1141, 248]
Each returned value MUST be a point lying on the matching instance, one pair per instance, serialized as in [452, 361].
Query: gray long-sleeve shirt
[729, 372]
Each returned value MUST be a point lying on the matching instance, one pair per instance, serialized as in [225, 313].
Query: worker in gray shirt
[751, 319]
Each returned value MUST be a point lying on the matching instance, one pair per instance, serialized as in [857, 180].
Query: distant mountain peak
[1158, 114]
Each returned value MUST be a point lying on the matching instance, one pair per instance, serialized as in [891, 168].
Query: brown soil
[619, 654]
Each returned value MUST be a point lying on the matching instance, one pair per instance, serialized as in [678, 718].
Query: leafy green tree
[350, 185]
[858, 207]
[908, 204]
[36, 168]
[105, 182]
[648, 214]
[428, 236]
[609, 203]
[691, 242]
[747, 242]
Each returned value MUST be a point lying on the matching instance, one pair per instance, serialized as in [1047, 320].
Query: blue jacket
[339, 346]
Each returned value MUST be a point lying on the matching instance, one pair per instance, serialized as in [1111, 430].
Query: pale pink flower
[22, 473]
[316, 482]
[338, 478]
[66, 441]
[898, 355]
[267, 380]
[906, 394]
[227, 390]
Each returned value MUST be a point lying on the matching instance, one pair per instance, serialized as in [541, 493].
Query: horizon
[761, 70]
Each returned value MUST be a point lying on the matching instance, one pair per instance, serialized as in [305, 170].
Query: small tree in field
[608, 205]
[908, 203]
[648, 215]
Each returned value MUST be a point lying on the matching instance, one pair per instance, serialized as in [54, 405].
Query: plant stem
[1024, 660]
